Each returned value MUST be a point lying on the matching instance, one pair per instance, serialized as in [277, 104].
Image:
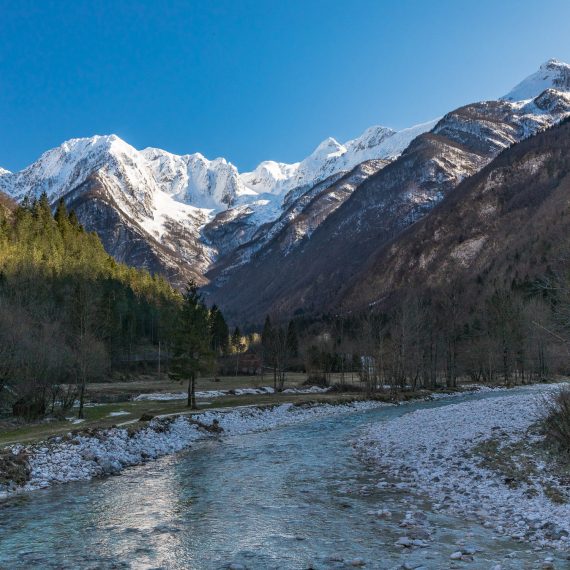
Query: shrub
[556, 419]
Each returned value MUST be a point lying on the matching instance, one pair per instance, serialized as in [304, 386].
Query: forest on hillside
[71, 315]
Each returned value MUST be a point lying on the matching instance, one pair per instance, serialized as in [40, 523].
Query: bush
[556, 420]
[316, 379]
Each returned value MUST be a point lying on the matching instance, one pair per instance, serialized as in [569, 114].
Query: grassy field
[142, 383]
[101, 415]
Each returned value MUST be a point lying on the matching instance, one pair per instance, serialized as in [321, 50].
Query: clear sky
[255, 79]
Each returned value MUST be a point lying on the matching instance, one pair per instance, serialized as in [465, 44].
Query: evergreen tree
[74, 221]
[236, 339]
[61, 217]
[238, 346]
[292, 339]
[219, 331]
[68, 306]
[192, 343]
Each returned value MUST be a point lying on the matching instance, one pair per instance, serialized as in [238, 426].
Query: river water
[291, 498]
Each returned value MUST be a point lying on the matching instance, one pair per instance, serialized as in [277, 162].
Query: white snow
[165, 396]
[331, 157]
[155, 188]
[82, 457]
[551, 74]
[431, 452]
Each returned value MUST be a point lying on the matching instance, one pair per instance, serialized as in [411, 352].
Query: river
[291, 498]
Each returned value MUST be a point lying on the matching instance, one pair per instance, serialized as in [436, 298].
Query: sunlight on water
[289, 498]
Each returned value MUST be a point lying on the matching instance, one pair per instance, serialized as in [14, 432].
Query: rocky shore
[484, 460]
[85, 454]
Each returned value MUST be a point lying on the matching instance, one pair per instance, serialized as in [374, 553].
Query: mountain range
[288, 238]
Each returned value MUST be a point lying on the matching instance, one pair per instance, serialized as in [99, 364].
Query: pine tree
[74, 221]
[292, 339]
[219, 331]
[237, 346]
[61, 217]
[192, 342]
[236, 339]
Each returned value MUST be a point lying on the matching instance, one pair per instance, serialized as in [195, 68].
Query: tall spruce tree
[292, 339]
[192, 351]
[219, 331]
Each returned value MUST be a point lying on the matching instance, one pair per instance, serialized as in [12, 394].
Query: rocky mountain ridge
[314, 277]
[182, 212]
[283, 237]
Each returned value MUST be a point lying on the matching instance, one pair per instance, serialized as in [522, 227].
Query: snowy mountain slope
[116, 193]
[331, 157]
[314, 275]
[551, 74]
[181, 214]
[301, 216]
[166, 200]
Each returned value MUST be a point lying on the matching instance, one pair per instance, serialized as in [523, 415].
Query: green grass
[98, 416]
[518, 464]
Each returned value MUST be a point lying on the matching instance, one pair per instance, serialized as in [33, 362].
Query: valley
[355, 359]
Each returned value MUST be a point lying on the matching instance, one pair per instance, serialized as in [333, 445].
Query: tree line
[433, 339]
[71, 315]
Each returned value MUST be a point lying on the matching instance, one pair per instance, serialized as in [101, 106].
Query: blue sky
[250, 79]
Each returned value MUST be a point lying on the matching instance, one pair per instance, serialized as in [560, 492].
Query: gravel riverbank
[481, 459]
[93, 453]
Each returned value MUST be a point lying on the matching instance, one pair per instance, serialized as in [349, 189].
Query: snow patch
[166, 396]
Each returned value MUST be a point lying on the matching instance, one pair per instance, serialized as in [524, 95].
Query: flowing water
[291, 498]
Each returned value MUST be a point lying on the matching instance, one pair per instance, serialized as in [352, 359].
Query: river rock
[404, 542]
[357, 562]
[456, 555]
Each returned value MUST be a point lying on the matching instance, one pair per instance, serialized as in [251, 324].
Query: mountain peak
[552, 74]
[330, 147]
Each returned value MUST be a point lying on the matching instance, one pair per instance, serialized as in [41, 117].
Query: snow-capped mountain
[551, 74]
[164, 201]
[331, 157]
[288, 273]
[186, 215]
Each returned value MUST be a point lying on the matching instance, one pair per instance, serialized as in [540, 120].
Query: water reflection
[291, 498]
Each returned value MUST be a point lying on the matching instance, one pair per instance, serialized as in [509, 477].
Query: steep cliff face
[176, 214]
[304, 211]
[315, 275]
[503, 226]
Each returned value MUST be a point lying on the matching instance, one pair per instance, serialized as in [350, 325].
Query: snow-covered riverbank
[96, 453]
[447, 454]
[166, 396]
